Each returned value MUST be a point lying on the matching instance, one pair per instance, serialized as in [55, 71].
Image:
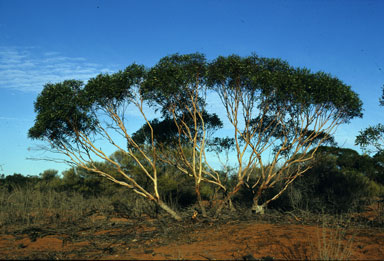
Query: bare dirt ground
[276, 235]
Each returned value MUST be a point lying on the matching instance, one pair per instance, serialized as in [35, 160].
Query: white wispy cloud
[28, 69]
[12, 119]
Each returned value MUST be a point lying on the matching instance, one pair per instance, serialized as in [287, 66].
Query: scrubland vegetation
[340, 185]
[282, 121]
[341, 181]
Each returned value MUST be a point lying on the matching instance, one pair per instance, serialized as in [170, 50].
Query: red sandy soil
[201, 240]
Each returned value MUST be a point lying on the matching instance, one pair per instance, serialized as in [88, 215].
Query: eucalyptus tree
[177, 85]
[73, 117]
[275, 110]
[280, 116]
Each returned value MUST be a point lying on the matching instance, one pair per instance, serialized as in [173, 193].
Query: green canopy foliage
[173, 78]
[371, 136]
[64, 109]
[67, 107]
[275, 84]
[61, 112]
[112, 90]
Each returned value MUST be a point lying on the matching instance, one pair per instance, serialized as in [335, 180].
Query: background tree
[371, 139]
[49, 174]
[339, 181]
[71, 117]
[278, 114]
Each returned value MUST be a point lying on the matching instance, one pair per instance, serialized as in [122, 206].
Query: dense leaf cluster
[276, 83]
[67, 107]
[61, 112]
[112, 90]
[172, 75]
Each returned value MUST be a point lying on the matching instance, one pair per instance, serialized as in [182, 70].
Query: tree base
[258, 209]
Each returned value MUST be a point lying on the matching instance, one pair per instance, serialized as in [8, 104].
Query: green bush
[16, 181]
[377, 174]
[330, 186]
[177, 188]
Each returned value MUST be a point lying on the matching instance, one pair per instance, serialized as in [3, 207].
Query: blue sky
[49, 41]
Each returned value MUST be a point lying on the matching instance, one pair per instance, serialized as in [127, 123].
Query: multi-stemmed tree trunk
[278, 114]
[72, 117]
[177, 84]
